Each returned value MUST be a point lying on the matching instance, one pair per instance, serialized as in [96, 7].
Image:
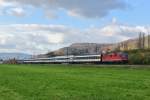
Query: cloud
[31, 38]
[1, 2]
[12, 9]
[19, 12]
[79, 8]
[41, 38]
[110, 33]
[55, 38]
[123, 30]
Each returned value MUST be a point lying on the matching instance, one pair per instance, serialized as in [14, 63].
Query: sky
[40, 26]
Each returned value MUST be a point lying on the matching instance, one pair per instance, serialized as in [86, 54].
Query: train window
[87, 57]
[61, 58]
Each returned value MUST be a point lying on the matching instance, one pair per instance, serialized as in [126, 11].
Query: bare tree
[148, 41]
[139, 41]
[143, 41]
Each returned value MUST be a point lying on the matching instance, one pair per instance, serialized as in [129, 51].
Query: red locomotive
[115, 57]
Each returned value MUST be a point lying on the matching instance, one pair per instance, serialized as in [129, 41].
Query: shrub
[139, 57]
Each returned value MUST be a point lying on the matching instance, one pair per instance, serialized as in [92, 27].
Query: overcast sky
[39, 26]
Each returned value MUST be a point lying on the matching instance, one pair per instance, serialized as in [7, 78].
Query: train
[118, 57]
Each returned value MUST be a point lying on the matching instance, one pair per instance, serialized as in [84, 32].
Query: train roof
[88, 56]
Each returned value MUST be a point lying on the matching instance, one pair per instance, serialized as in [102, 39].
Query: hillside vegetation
[139, 56]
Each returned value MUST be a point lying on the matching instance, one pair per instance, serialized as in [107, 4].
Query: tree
[143, 41]
[11, 61]
[140, 40]
[148, 41]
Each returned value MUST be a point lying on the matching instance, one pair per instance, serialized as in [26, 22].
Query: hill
[80, 49]
[6, 56]
[96, 48]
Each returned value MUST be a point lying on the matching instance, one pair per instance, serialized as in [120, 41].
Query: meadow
[73, 82]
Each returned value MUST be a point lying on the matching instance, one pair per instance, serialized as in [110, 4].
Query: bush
[139, 57]
[10, 61]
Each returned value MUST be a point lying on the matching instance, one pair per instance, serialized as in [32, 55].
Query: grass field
[73, 82]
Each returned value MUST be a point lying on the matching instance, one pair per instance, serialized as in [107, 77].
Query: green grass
[73, 82]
